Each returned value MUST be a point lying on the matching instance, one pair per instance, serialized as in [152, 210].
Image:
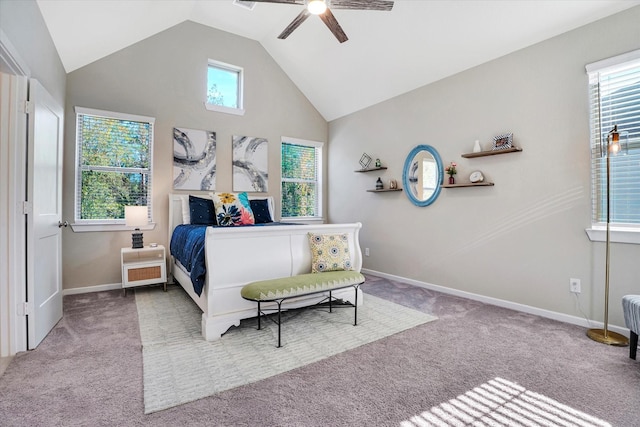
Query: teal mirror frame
[406, 175]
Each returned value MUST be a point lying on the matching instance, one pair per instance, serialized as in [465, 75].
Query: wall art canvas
[250, 164]
[194, 159]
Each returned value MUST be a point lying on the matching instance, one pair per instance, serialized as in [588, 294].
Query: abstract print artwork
[250, 164]
[194, 159]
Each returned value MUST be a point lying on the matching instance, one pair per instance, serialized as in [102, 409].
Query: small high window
[224, 88]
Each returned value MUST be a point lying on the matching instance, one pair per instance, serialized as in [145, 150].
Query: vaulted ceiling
[387, 54]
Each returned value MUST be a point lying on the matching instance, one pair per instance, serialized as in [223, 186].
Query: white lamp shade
[136, 216]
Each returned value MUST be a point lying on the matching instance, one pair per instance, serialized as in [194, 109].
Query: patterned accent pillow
[232, 209]
[201, 211]
[329, 252]
[260, 208]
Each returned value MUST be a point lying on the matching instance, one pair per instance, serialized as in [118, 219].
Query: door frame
[13, 294]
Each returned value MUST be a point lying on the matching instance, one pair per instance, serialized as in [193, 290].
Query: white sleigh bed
[266, 253]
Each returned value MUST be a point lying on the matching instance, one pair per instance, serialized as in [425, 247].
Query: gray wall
[522, 239]
[164, 77]
[23, 24]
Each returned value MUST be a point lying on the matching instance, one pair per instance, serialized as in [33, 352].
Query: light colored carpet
[180, 366]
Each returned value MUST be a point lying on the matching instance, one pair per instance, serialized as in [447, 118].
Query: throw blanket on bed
[187, 246]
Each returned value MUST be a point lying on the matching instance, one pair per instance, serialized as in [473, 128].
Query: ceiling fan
[322, 8]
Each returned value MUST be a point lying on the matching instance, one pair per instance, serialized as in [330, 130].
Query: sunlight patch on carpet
[500, 402]
[179, 366]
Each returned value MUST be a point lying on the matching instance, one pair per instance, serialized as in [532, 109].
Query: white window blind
[614, 98]
[301, 179]
[113, 168]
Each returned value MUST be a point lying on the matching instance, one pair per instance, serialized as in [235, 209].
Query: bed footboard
[236, 256]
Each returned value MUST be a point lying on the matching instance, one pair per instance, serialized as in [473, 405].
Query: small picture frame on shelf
[502, 142]
[365, 161]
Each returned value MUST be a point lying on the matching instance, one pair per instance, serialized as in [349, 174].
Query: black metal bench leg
[279, 321]
[259, 315]
[355, 308]
[330, 301]
[633, 344]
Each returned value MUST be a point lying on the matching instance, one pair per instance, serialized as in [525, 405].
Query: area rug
[179, 366]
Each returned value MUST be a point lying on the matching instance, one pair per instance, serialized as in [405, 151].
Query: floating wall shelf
[372, 169]
[469, 184]
[492, 153]
[384, 190]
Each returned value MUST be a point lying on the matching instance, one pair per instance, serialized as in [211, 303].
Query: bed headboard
[177, 202]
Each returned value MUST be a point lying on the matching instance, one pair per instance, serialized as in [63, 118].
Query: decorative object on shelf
[136, 216]
[476, 146]
[379, 185]
[502, 142]
[476, 176]
[393, 184]
[378, 163]
[451, 171]
[365, 161]
[613, 147]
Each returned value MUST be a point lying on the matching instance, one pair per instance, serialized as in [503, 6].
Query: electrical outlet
[574, 286]
[366, 251]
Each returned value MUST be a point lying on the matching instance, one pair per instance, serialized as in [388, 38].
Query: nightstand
[143, 266]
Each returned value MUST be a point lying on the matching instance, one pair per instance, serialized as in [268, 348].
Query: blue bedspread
[187, 246]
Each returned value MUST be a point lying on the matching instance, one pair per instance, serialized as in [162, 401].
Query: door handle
[62, 224]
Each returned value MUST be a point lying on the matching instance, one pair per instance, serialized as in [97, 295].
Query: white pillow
[186, 212]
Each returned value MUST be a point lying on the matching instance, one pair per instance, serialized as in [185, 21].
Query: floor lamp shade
[614, 146]
[136, 216]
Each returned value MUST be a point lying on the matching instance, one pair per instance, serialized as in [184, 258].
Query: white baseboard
[562, 317]
[87, 289]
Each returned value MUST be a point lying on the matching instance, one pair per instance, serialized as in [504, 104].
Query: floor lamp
[605, 336]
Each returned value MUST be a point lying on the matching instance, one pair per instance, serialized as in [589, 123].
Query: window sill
[304, 220]
[616, 234]
[222, 109]
[84, 228]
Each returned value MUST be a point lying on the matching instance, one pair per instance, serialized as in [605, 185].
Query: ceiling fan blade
[294, 24]
[275, 1]
[331, 22]
[362, 4]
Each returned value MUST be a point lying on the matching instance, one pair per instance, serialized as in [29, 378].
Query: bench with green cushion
[280, 289]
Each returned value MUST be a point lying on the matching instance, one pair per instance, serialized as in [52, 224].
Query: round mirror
[422, 175]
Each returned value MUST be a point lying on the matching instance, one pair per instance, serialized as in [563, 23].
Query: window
[614, 100]
[113, 165]
[301, 178]
[224, 88]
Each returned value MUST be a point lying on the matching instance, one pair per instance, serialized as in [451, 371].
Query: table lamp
[136, 216]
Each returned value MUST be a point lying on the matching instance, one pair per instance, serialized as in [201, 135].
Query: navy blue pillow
[202, 211]
[260, 208]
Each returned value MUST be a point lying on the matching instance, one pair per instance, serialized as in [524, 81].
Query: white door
[44, 197]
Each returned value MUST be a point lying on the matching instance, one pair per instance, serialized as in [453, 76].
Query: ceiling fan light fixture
[317, 7]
